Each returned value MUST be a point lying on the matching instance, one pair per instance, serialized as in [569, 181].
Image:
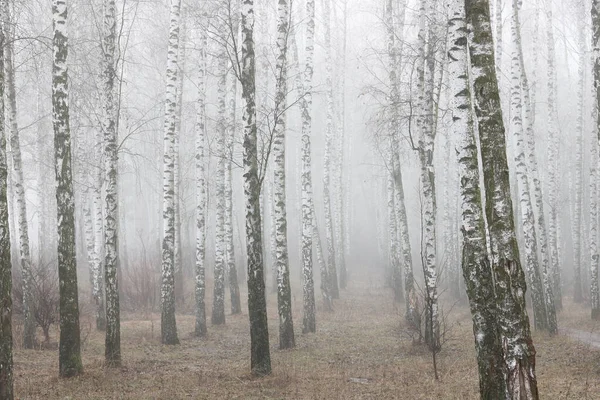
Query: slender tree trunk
[260, 360]
[519, 351]
[201, 203]
[304, 89]
[325, 281]
[218, 310]
[234, 289]
[29, 327]
[6, 339]
[475, 262]
[111, 247]
[553, 150]
[168, 321]
[284, 291]
[69, 347]
[522, 173]
[578, 181]
[595, 287]
[327, 178]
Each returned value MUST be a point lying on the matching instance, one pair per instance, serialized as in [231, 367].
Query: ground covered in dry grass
[361, 351]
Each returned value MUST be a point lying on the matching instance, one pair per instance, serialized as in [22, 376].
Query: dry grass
[364, 338]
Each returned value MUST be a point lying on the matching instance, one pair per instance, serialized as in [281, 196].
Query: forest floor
[363, 350]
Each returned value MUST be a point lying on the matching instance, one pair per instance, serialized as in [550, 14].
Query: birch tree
[69, 347]
[218, 310]
[578, 179]
[475, 262]
[29, 326]
[111, 248]
[522, 174]
[327, 170]
[6, 339]
[284, 291]
[201, 203]
[168, 323]
[553, 152]
[305, 87]
[595, 289]
[234, 290]
[260, 357]
[519, 352]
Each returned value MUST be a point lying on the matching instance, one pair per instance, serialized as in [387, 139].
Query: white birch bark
[595, 161]
[218, 309]
[201, 203]
[328, 163]
[69, 359]
[284, 293]
[29, 327]
[168, 322]
[526, 207]
[260, 360]
[553, 155]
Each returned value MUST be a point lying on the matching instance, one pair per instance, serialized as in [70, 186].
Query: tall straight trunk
[111, 201]
[325, 281]
[179, 288]
[304, 89]
[168, 322]
[522, 173]
[393, 129]
[595, 286]
[327, 172]
[234, 289]
[342, 137]
[260, 360]
[94, 261]
[69, 361]
[6, 339]
[218, 310]
[519, 352]
[201, 203]
[578, 181]
[476, 269]
[553, 149]
[284, 291]
[542, 230]
[29, 326]
[426, 68]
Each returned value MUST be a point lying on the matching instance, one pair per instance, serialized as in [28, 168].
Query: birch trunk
[519, 352]
[234, 289]
[111, 201]
[69, 347]
[305, 90]
[218, 310]
[578, 181]
[426, 68]
[284, 291]
[325, 281]
[94, 261]
[6, 339]
[168, 322]
[553, 150]
[522, 174]
[595, 287]
[475, 262]
[29, 326]
[260, 360]
[327, 172]
[201, 203]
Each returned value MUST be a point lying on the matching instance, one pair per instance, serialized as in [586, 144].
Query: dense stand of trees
[446, 92]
